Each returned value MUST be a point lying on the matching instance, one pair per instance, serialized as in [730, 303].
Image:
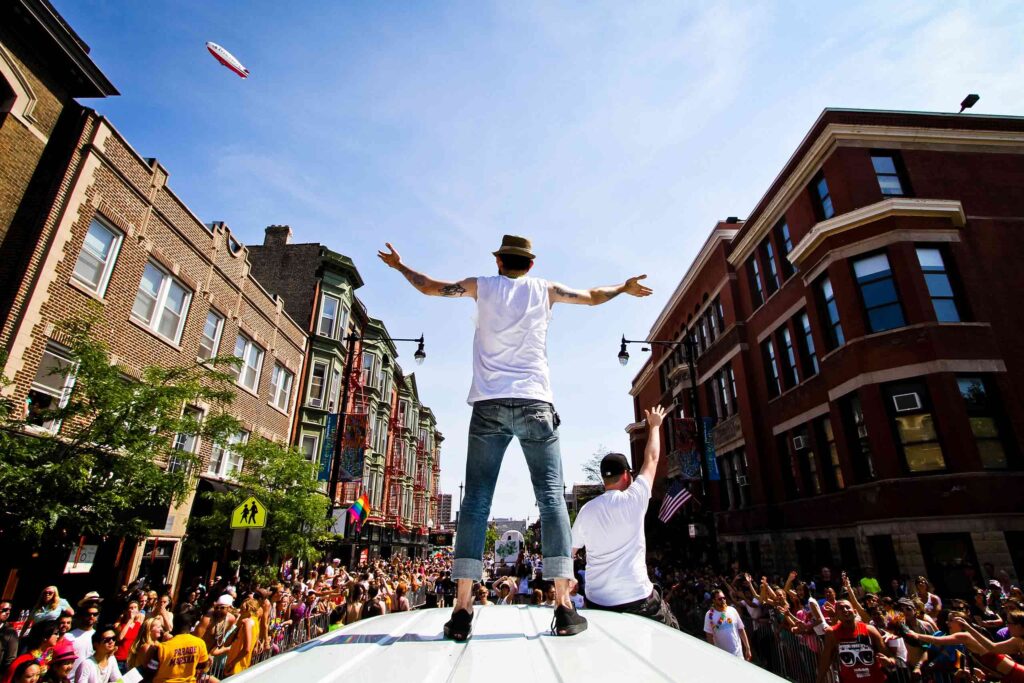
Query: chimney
[277, 236]
[732, 220]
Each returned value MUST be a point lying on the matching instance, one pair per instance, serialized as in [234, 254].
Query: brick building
[444, 514]
[402, 446]
[858, 349]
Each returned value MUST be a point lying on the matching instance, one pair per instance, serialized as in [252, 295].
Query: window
[333, 404]
[822, 198]
[51, 388]
[915, 427]
[186, 441]
[281, 387]
[720, 314]
[252, 362]
[403, 410]
[712, 327]
[792, 376]
[224, 462]
[785, 243]
[161, 303]
[859, 444]
[772, 277]
[984, 426]
[833, 470]
[771, 365]
[878, 290]
[210, 339]
[328, 324]
[828, 299]
[756, 288]
[96, 260]
[732, 388]
[940, 289]
[368, 375]
[703, 335]
[309, 447]
[809, 356]
[317, 379]
[808, 463]
[889, 171]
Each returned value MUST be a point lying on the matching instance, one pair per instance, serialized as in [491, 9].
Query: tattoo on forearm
[454, 289]
[413, 277]
[567, 293]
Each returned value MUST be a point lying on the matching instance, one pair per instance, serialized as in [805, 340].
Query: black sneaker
[567, 622]
[460, 626]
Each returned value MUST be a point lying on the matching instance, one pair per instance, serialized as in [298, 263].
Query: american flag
[676, 495]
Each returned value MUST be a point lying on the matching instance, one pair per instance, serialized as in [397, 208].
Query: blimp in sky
[227, 59]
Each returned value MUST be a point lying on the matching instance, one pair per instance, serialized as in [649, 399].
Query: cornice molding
[950, 209]
[835, 135]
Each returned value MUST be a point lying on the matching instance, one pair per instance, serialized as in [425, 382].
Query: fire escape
[435, 489]
[394, 470]
[419, 518]
[350, 490]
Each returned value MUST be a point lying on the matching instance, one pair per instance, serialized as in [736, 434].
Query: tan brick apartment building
[858, 344]
[98, 225]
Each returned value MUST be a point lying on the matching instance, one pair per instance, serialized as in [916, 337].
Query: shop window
[878, 292]
[981, 414]
[940, 288]
[914, 425]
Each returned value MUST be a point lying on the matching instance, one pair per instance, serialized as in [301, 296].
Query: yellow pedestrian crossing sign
[249, 515]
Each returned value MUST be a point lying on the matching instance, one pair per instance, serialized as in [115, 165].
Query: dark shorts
[653, 607]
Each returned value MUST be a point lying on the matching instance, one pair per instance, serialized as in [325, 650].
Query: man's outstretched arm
[428, 285]
[598, 295]
[655, 416]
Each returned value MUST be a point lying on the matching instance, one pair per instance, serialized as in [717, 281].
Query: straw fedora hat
[515, 246]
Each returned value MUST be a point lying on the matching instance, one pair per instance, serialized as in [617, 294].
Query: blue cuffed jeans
[491, 428]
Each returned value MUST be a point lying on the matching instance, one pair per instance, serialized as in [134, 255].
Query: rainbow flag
[359, 511]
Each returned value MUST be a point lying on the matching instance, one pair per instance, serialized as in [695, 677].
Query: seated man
[611, 528]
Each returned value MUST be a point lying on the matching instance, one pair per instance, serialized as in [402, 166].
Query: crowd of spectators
[783, 622]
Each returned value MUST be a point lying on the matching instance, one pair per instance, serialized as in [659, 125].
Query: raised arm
[655, 416]
[559, 293]
[428, 285]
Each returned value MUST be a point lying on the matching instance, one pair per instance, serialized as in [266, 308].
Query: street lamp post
[332, 489]
[688, 343]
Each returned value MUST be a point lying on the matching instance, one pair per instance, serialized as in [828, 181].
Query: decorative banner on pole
[327, 448]
[684, 438]
[353, 447]
[709, 450]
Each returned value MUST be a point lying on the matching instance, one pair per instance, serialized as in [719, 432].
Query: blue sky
[613, 134]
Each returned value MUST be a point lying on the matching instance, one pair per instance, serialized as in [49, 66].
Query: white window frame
[63, 356]
[403, 411]
[334, 390]
[100, 287]
[173, 464]
[224, 463]
[247, 346]
[333, 331]
[368, 374]
[215, 342]
[314, 455]
[312, 400]
[281, 397]
[160, 303]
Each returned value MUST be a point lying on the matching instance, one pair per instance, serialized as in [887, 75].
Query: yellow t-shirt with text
[179, 658]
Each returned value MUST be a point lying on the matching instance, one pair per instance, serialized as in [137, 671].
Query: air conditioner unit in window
[799, 442]
[907, 402]
[741, 479]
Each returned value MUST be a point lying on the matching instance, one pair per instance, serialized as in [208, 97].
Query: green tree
[592, 465]
[106, 471]
[490, 538]
[285, 482]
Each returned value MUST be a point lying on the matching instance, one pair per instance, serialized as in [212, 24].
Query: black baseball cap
[614, 464]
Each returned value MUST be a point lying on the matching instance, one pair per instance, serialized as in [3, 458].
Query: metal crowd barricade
[418, 597]
[795, 656]
[282, 640]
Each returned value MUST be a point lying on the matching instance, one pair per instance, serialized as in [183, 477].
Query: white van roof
[508, 644]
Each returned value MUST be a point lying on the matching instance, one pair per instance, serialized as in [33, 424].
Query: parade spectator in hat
[511, 397]
[23, 669]
[62, 660]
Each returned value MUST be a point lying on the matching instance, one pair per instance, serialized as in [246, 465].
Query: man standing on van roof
[511, 396]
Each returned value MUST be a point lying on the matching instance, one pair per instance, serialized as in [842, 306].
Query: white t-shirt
[611, 528]
[725, 627]
[82, 642]
[90, 672]
[510, 357]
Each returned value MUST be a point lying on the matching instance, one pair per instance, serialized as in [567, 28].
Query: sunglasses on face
[5, 609]
[110, 639]
[92, 614]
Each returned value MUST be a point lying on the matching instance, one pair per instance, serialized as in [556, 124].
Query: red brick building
[858, 345]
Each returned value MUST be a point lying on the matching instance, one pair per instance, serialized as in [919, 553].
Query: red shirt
[123, 647]
[857, 660]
